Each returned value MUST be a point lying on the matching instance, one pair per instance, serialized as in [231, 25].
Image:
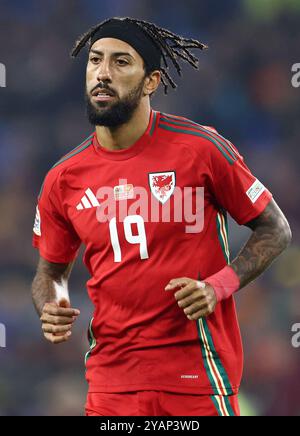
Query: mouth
[102, 95]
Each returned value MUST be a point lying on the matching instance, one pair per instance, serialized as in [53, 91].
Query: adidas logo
[88, 201]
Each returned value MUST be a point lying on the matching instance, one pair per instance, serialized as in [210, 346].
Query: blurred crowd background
[243, 88]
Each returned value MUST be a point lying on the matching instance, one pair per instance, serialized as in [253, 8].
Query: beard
[114, 114]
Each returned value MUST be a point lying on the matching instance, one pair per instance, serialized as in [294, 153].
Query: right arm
[54, 310]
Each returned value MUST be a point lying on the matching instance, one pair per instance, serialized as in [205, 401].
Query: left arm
[271, 236]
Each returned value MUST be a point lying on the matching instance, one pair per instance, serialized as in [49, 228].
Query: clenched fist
[57, 321]
[197, 299]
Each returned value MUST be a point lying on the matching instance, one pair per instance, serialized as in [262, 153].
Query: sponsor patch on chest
[123, 192]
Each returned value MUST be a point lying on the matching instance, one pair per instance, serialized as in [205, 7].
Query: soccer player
[164, 338]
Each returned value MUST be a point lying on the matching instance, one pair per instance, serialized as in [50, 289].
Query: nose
[104, 74]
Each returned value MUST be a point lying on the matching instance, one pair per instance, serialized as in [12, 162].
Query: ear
[152, 82]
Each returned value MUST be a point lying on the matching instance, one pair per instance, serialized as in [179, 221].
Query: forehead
[112, 45]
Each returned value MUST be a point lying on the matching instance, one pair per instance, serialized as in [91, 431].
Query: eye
[94, 59]
[122, 62]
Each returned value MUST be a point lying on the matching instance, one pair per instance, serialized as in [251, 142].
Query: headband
[134, 36]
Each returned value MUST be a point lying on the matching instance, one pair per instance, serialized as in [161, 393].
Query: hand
[57, 320]
[197, 299]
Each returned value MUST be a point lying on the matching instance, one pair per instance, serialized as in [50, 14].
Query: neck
[121, 137]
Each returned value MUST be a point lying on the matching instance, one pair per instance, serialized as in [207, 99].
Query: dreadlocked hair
[171, 46]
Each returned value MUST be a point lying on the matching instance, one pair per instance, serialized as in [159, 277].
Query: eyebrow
[119, 53]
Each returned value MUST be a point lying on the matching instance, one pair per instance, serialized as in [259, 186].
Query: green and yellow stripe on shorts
[215, 371]
[214, 368]
[222, 404]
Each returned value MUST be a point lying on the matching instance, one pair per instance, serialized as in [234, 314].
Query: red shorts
[158, 403]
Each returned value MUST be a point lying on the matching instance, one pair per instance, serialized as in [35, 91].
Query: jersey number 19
[140, 238]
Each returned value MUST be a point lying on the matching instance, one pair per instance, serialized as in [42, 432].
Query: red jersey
[140, 339]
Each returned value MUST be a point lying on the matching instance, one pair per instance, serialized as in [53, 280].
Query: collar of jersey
[144, 141]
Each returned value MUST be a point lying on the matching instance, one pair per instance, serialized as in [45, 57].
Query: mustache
[103, 87]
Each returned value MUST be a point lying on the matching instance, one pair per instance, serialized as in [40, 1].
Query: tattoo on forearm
[271, 235]
[42, 285]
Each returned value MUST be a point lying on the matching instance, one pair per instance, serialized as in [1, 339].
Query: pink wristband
[225, 283]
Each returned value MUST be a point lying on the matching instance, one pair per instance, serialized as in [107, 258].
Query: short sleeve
[234, 186]
[53, 235]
